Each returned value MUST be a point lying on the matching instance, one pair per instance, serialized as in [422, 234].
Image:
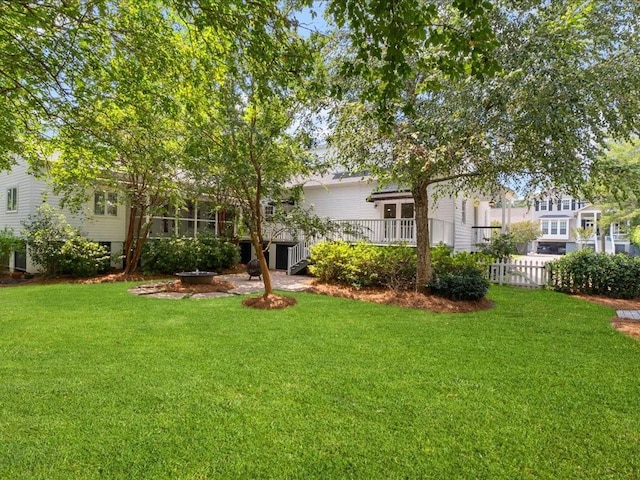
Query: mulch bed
[402, 298]
[628, 327]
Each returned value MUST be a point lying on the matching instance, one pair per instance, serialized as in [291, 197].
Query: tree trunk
[137, 234]
[256, 240]
[425, 270]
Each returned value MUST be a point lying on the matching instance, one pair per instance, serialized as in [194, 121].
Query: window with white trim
[553, 228]
[545, 227]
[269, 212]
[566, 204]
[544, 204]
[562, 227]
[12, 199]
[105, 203]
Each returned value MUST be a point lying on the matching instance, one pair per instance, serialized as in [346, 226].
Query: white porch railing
[378, 232]
[522, 273]
[391, 231]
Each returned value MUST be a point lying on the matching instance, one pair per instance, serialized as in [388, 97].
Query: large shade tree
[542, 121]
[121, 128]
[38, 43]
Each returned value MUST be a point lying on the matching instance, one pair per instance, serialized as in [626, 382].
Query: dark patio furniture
[253, 269]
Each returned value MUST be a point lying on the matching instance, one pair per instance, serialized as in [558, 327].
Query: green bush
[9, 242]
[445, 261]
[183, 254]
[591, 273]
[363, 264]
[83, 258]
[393, 267]
[460, 276]
[58, 248]
[467, 283]
[398, 265]
[501, 246]
[330, 261]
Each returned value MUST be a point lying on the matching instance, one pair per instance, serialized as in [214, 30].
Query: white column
[595, 233]
[503, 228]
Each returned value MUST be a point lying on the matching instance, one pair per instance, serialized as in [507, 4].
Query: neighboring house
[381, 216]
[560, 218]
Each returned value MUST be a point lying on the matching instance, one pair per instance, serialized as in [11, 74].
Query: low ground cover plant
[588, 272]
[179, 254]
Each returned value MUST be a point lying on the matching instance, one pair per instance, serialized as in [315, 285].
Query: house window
[544, 204]
[553, 228]
[562, 227]
[406, 210]
[12, 199]
[269, 211]
[566, 204]
[105, 203]
[545, 227]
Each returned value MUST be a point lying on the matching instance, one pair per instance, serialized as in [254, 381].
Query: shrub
[179, 254]
[398, 265]
[45, 232]
[501, 246]
[9, 242]
[330, 261]
[58, 248]
[393, 267]
[83, 258]
[445, 261]
[363, 264]
[467, 283]
[593, 273]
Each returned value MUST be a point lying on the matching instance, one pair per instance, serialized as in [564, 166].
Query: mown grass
[97, 383]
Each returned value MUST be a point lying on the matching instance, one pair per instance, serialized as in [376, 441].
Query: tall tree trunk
[137, 233]
[257, 241]
[425, 270]
[128, 242]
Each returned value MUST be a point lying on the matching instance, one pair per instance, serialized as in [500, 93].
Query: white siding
[342, 201]
[33, 192]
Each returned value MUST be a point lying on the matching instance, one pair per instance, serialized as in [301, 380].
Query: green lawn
[97, 383]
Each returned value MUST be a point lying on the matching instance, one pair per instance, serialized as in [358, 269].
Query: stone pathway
[629, 314]
[243, 285]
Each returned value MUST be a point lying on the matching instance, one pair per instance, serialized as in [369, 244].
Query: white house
[102, 219]
[560, 219]
[381, 216]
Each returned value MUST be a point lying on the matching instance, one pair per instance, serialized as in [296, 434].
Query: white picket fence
[523, 273]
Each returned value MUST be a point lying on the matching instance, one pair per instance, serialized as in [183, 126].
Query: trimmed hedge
[591, 273]
[183, 254]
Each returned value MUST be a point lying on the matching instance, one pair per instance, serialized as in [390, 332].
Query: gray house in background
[561, 219]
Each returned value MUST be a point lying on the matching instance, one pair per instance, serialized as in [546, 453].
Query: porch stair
[298, 256]
[298, 267]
